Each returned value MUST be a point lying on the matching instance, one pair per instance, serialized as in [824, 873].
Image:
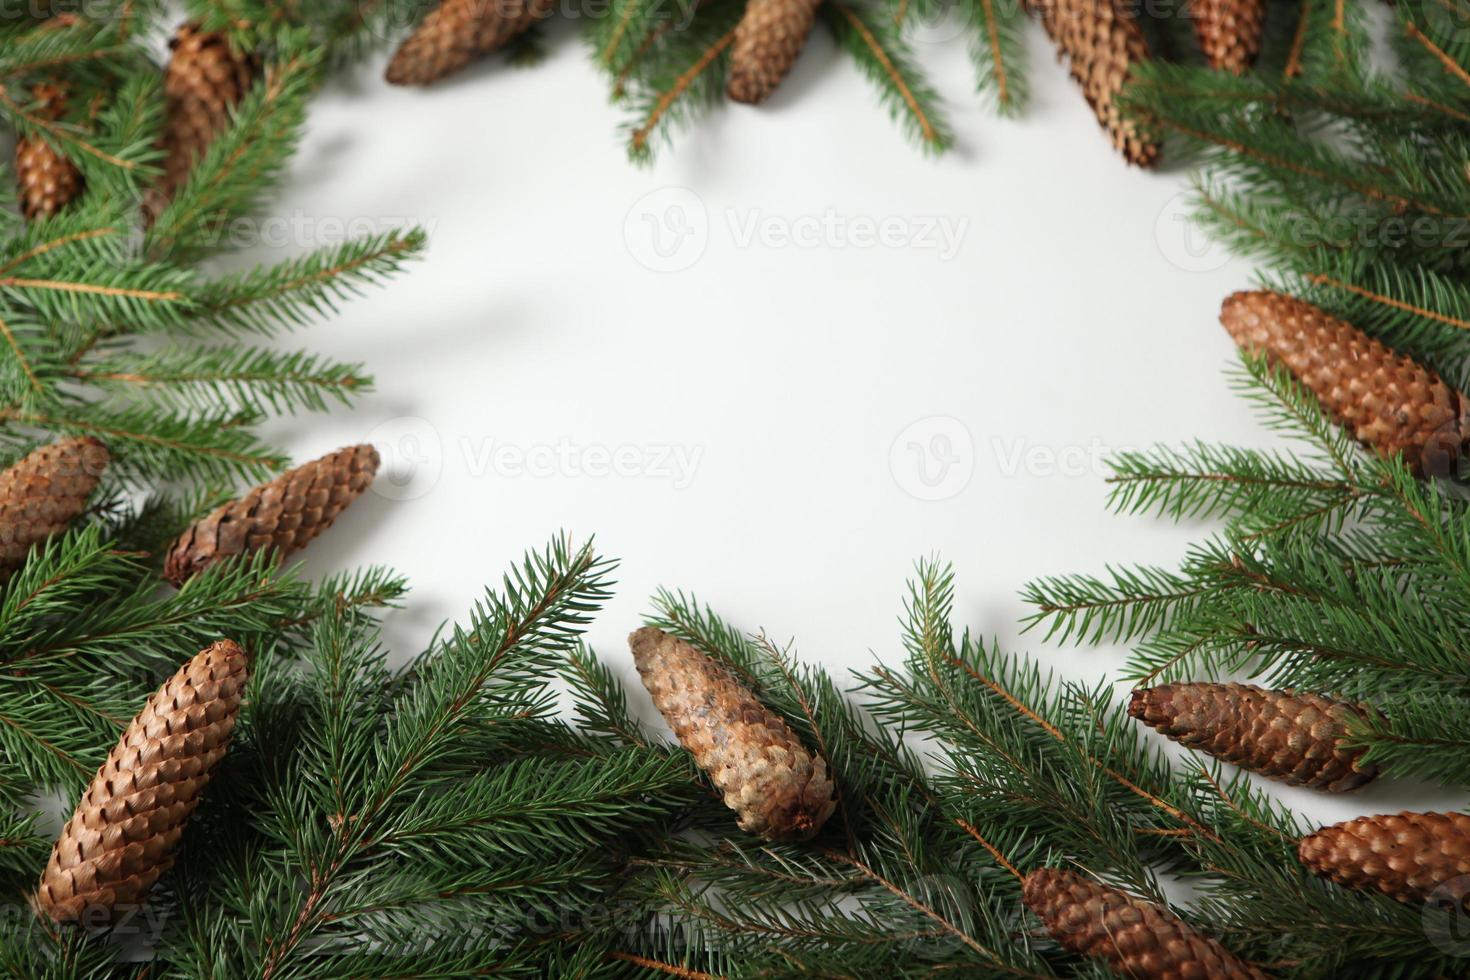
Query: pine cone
[457, 32]
[1229, 32]
[43, 493]
[122, 836]
[768, 40]
[779, 789]
[1102, 42]
[1390, 402]
[1296, 738]
[284, 514]
[48, 180]
[204, 82]
[1134, 937]
[1405, 856]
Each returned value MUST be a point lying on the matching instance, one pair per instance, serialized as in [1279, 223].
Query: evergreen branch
[291, 292]
[638, 141]
[144, 442]
[1388, 301]
[254, 379]
[52, 244]
[61, 135]
[1450, 65]
[20, 356]
[929, 913]
[880, 52]
[240, 162]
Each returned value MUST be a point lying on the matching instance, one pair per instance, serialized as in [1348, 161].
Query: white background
[1076, 314]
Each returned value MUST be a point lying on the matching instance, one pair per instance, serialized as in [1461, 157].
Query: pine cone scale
[1136, 938]
[48, 181]
[1103, 42]
[768, 40]
[1295, 738]
[1388, 401]
[457, 32]
[43, 493]
[203, 83]
[777, 788]
[285, 514]
[1229, 32]
[121, 838]
[1406, 856]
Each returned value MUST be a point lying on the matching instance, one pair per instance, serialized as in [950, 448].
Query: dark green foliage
[441, 818]
[1333, 570]
[80, 291]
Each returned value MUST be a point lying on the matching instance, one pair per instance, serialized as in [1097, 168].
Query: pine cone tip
[777, 787]
[1388, 401]
[43, 493]
[283, 516]
[122, 836]
[1295, 737]
[1410, 857]
[1135, 937]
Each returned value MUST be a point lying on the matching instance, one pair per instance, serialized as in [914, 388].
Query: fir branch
[145, 441]
[253, 379]
[658, 113]
[241, 162]
[292, 292]
[879, 49]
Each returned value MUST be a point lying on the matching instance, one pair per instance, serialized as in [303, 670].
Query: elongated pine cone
[779, 789]
[1134, 937]
[284, 514]
[1229, 32]
[768, 40]
[204, 82]
[1390, 402]
[122, 836]
[48, 180]
[1102, 42]
[1296, 738]
[45, 492]
[457, 32]
[1405, 856]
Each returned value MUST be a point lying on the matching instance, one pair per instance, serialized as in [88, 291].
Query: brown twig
[680, 86]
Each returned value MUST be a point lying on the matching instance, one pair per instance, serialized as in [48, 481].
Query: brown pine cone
[284, 514]
[457, 32]
[1102, 42]
[45, 492]
[768, 40]
[122, 836]
[780, 790]
[1296, 738]
[48, 180]
[1229, 32]
[1134, 937]
[1405, 856]
[204, 82]
[1390, 402]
